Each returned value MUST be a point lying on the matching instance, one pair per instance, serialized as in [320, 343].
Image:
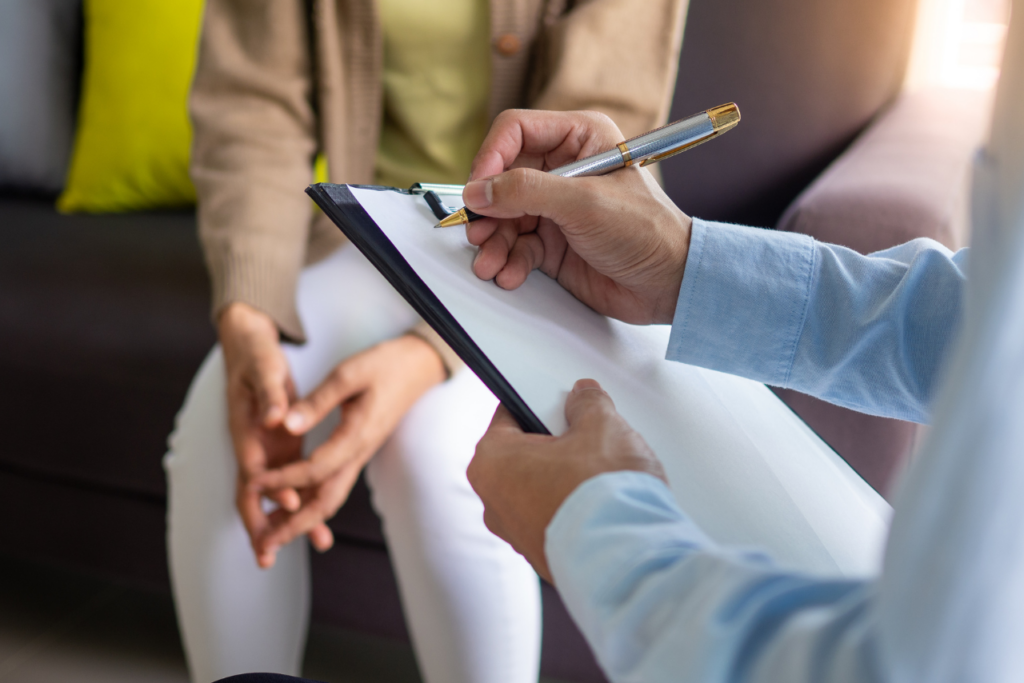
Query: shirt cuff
[743, 300]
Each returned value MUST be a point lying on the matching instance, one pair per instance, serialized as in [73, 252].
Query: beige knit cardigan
[279, 80]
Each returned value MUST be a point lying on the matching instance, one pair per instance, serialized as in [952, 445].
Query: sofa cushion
[906, 177]
[808, 76]
[39, 60]
[105, 320]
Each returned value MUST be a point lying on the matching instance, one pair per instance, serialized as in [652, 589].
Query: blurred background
[860, 121]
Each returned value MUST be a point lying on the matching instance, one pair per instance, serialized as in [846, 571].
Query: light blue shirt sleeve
[660, 602]
[866, 332]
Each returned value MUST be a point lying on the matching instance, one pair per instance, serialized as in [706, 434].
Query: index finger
[341, 449]
[559, 137]
[256, 522]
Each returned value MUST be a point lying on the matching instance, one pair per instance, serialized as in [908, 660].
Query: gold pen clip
[724, 118]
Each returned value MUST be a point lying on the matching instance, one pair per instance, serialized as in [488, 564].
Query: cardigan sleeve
[254, 142]
[584, 60]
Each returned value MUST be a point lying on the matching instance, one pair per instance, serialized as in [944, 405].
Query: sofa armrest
[905, 177]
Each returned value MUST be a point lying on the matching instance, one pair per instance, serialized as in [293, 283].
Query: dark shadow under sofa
[104, 319]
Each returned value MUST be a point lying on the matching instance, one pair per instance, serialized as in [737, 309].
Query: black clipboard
[339, 204]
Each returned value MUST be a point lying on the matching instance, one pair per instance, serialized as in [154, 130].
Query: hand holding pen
[617, 242]
[643, 150]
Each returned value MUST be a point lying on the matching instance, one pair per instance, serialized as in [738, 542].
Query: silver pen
[649, 148]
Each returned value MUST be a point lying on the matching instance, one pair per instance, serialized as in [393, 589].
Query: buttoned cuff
[743, 301]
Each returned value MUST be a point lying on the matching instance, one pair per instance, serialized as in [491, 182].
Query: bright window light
[959, 43]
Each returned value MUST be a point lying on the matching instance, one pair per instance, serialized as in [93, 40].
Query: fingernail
[273, 413]
[477, 257]
[479, 194]
[295, 421]
[582, 384]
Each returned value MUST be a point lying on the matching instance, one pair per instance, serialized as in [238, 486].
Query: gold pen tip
[457, 218]
[724, 117]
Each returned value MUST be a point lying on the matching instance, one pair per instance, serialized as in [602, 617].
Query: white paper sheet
[739, 461]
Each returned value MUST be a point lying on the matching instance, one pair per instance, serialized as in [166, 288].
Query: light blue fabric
[865, 333]
[659, 601]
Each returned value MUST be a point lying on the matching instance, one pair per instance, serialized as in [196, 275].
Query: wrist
[429, 366]
[668, 299]
[245, 334]
[239, 318]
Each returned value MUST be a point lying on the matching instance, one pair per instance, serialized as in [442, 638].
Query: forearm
[865, 332]
[451, 361]
[254, 131]
[658, 601]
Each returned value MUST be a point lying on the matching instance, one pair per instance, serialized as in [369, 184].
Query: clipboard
[349, 215]
[739, 462]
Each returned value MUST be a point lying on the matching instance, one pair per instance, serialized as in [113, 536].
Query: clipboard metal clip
[432, 193]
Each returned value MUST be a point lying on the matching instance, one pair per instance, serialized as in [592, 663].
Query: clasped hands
[268, 421]
[617, 243]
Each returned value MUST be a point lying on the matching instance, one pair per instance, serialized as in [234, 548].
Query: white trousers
[472, 603]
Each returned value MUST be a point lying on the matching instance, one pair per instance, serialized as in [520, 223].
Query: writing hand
[617, 242]
[524, 478]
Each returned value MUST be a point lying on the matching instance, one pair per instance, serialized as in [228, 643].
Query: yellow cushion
[132, 144]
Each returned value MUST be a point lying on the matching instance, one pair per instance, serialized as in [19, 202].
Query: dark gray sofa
[104, 319]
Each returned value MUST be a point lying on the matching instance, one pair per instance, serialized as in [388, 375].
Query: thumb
[528, 192]
[588, 401]
[343, 382]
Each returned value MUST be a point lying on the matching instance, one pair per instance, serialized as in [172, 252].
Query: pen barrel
[670, 138]
[599, 164]
[657, 145]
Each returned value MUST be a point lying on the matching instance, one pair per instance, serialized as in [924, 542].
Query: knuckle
[506, 116]
[321, 469]
[601, 121]
[508, 233]
[473, 470]
[536, 250]
[270, 370]
[519, 182]
[600, 118]
[493, 524]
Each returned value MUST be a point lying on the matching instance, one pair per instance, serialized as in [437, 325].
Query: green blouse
[436, 89]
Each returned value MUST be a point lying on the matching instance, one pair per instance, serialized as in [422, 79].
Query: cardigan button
[508, 44]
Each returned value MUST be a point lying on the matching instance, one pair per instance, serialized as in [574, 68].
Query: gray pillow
[39, 70]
